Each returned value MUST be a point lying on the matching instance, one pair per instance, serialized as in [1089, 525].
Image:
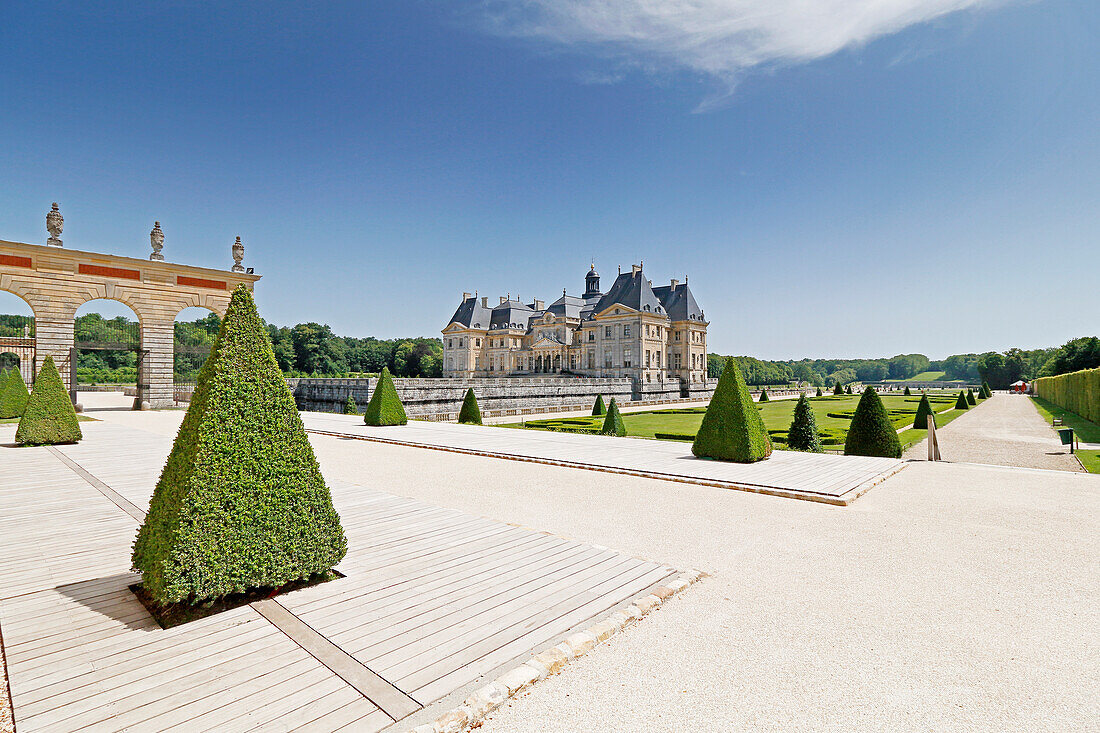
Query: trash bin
[1066, 434]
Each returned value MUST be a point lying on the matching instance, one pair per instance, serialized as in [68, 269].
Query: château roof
[472, 314]
[679, 302]
[632, 290]
[512, 314]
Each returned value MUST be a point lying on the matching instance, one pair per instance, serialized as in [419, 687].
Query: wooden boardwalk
[433, 600]
[827, 478]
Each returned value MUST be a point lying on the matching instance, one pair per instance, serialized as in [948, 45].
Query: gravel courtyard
[1005, 430]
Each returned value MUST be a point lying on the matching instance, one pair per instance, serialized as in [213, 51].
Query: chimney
[635, 269]
[540, 305]
[465, 297]
[503, 300]
[675, 282]
[485, 301]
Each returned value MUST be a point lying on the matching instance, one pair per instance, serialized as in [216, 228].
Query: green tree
[13, 395]
[732, 429]
[818, 392]
[241, 503]
[802, 434]
[924, 409]
[470, 414]
[49, 417]
[613, 423]
[763, 395]
[599, 408]
[838, 389]
[871, 432]
[385, 406]
[350, 408]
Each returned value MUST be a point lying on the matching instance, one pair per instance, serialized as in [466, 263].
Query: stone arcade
[55, 282]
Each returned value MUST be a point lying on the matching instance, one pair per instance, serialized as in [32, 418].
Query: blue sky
[883, 178]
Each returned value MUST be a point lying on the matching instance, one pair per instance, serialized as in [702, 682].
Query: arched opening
[194, 333]
[106, 360]
[17, 336]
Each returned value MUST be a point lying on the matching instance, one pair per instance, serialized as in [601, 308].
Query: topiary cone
[970, 397]
[350, 408]
[763, 395]
[599, 408]
[871, 432]
[924, 409]
[385, 406]
[613, 423]
[838, 389]
[49, 417]
[802, 435]
[241, 503]
[470, 414]
[848, 389]
[732, 429]
[818, 392]
[961, 403]
[14, 394]
[907, 392]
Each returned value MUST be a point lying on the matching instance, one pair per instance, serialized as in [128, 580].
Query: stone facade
[656, 337]
[55, 281]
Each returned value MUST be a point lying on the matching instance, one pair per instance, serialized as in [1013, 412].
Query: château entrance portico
[55, 281]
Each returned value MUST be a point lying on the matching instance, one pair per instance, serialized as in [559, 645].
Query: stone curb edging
[471, 713]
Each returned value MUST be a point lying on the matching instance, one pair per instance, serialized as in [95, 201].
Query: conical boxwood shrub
[961, 403]
[838, 389]
[907, 392]
[988, 391]
[241, 503]
[802, 435]
[848, 389]
[14, 395]
[470, 414]
[350, 408]
[49, 418]
[818, 392]
[924, 409]
[732, 429]
[385, 406]
[871, 432]
[763, 395]
[599, 408]
[970, 397]
[613, 423]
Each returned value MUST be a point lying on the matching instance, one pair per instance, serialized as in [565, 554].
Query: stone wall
[430, 396]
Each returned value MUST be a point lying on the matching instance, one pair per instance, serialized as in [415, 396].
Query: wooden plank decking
[433, 599]
[827, 478]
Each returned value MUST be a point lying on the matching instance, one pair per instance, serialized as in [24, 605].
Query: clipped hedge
[599, 408]
[49, 417]
[350, 408]
[871, 432]
[470, 414]
[14, 395]
[1077, 392]
[802, 435]
[673, 436]
[732, 429]
[924, 409]
[241, 503]
[961, 403]
[613, 423]
[385, 406]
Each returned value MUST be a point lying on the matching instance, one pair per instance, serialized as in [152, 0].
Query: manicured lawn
[927, 377]
[833, 414]
[1086, 431]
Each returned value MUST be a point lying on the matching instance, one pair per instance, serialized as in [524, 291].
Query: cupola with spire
[592, 282]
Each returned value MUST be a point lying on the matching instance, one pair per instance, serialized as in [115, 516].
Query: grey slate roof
[632, 290]
[512, 314]
[679, 302]
[472, 314]
[567, 305]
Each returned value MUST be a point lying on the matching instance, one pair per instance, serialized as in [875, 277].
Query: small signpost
[933, 441]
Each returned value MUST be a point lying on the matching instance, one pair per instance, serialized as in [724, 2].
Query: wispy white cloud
[720, 39]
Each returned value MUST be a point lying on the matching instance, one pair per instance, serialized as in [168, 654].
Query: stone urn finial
[238, 255]
[55, 222]
[156, 238]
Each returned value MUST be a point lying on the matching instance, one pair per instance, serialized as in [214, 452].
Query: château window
[677, 335]
[658, 355]
[626, 330]
[607, 332]
[592, 335]
[607, 359]
[479, 342]
[647, 358]
[627, 362]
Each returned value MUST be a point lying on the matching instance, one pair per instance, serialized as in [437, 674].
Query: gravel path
[1005, 430]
